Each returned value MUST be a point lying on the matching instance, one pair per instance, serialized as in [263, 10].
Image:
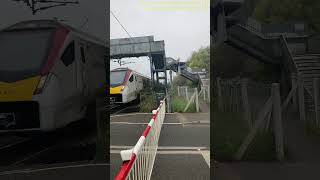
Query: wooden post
[268, 122]
[301, 98]
[189, 102]
[277, 121]
[197, 99]
[178, 90]
[247, 141]
[294, 98]
[316, 99]
[245, 100]
[290, 95]
[186, 91]
[204, 92]
[220, 103]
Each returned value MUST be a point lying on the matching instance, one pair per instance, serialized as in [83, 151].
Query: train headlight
[122, 88]
[41, 84]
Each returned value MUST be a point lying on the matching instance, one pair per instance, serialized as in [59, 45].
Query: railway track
[43, 149]
[125, 108]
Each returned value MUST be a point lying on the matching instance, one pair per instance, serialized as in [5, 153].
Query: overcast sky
[184, 30]
[97, 12]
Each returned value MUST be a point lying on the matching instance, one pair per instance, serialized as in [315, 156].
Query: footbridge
[285, 45]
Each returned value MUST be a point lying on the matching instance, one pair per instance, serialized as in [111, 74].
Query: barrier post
[138, 162]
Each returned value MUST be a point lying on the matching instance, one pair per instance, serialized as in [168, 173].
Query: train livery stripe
[126, 78]
[58, 42]
[18, 91]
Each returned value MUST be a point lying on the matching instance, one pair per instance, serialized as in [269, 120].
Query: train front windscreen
[23, 53]
[117, 78]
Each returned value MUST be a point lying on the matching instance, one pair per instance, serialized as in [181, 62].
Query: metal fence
[138, 162]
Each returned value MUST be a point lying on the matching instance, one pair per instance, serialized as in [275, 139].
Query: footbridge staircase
[290, 49]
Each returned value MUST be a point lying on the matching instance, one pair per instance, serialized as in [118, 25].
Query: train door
[82, 70]
[132, 88]
[67, 72]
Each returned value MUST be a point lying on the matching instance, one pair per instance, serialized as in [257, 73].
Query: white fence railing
[138, 162]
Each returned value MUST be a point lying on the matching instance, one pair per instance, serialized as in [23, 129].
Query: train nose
[18, 91]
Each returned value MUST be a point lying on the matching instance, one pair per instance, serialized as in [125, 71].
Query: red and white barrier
[138, 162]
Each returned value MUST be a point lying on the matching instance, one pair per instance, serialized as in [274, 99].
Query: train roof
[128, 69]
[53, 24]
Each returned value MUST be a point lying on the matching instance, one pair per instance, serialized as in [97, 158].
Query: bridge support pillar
[170, 77]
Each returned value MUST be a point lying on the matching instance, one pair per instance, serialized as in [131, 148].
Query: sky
[96, 11]
[183, 29]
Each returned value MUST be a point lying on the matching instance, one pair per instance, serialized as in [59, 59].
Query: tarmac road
[183, 151]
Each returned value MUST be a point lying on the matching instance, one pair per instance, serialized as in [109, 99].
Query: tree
[182, 81]
[275, 11]
[200, 59]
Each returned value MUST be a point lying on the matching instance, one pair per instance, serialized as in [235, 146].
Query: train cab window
[68, 54]
[83, 57]
[131, 78]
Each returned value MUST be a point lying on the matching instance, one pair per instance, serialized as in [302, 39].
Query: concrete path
[265, 171]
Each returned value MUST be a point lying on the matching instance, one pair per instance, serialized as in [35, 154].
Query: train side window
[83, 58]
[68, 54]
[131, 78]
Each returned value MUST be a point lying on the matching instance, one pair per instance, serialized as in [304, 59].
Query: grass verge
[148, 103]
[228, 131]
[179, 103]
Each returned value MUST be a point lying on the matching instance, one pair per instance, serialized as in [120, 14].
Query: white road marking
[52, 168]
[132, 114]
[163, 152]
[206, 156]
[163, 147]
[132, 123]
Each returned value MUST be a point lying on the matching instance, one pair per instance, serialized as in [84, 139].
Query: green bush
[148, 102]
[228, 131]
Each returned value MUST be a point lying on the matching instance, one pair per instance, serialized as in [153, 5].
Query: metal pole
[208, 93]
[170, 76]
[168, 101]
[316, 99]
[151, 68]
[157, 76]
[197, 99]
